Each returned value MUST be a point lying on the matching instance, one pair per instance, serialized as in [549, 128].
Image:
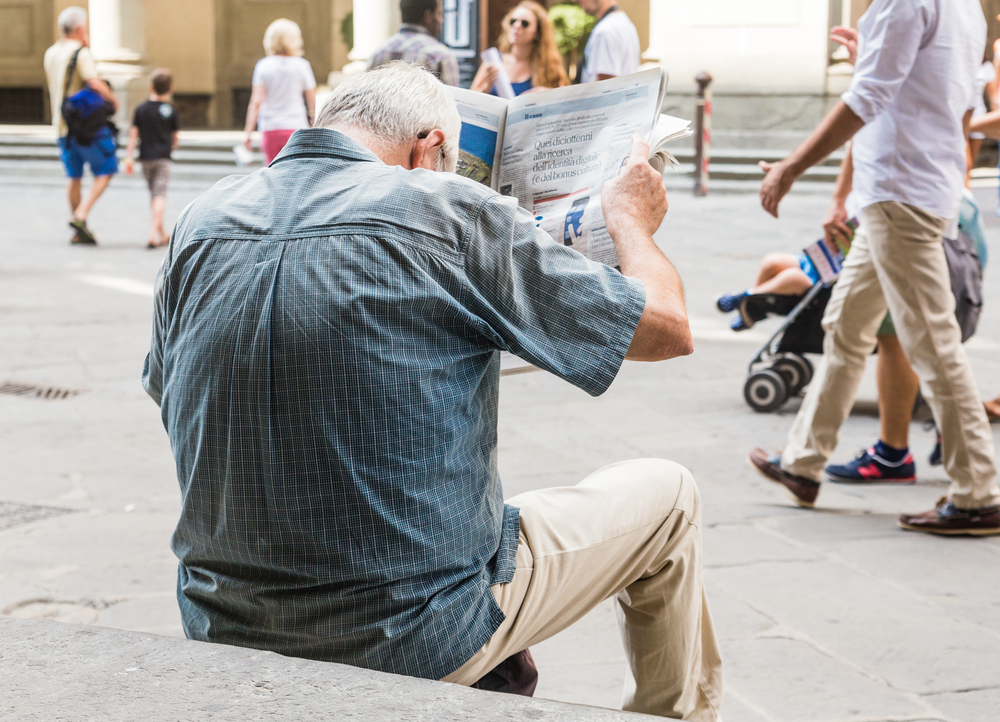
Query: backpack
[966, 274]
[86, 111]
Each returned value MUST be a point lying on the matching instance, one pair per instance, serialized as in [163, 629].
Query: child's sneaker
[870, 468]
[737, 324]
[729, 302]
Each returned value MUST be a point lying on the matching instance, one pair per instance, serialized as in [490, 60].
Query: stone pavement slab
[833, 614]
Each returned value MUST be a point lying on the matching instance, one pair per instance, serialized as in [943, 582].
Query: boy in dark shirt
[155, 127]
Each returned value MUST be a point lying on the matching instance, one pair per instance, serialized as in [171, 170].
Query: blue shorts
[807, 267]
[99, 155]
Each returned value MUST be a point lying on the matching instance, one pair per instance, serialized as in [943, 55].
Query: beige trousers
[633, 530]
[897, 262]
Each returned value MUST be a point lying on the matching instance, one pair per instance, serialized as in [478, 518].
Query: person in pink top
[284, 90]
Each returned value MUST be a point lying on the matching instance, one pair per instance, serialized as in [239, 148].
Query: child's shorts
[157, 175]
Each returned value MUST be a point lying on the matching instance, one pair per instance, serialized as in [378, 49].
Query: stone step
[53, 670]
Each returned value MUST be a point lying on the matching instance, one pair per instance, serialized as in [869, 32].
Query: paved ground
[832, 614]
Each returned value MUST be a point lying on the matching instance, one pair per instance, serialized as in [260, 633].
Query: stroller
[779, 370]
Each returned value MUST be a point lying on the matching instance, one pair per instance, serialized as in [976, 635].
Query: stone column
[118, 41]
[374, 22]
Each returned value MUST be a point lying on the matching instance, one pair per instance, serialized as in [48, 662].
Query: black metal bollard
[702, 133]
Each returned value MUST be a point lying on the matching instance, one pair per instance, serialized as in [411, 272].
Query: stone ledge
[55, 671]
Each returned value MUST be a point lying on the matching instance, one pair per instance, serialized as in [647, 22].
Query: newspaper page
[479, 145]
[561, 145]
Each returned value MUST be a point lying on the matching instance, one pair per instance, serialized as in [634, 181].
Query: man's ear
[426, 151]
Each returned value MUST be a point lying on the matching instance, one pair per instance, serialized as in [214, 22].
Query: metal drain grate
[12, 514]
[12, 388]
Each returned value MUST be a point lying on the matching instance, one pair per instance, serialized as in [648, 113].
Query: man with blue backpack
[82, 105]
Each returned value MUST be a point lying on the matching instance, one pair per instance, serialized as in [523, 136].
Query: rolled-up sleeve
[547, 303]
[891, 35]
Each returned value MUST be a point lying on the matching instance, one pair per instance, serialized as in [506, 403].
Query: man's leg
[897, 392]
[853, 314]
[909, 256]
[96, 189]
[633, 530]
[73, 193]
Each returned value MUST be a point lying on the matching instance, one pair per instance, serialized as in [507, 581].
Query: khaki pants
[633, 530]
[897, 262]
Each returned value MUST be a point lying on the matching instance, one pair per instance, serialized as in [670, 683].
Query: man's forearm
[838, 127]
[845, 179]
[663, 331]
[103, 89]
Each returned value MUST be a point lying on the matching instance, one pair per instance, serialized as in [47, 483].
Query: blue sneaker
[935, 457]
[729, 302]
[738, 324]
[870, 468]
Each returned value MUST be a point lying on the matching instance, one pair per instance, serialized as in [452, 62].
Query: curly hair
[546, 64]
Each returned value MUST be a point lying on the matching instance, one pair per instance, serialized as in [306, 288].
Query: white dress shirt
[914, 80]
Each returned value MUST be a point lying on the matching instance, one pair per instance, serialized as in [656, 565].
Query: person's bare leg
[96, 189]
[73, 193]
[897, 392]
[772, 264]
[157, 236]
[789, 282]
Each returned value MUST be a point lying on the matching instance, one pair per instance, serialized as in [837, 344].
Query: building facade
[772, 62]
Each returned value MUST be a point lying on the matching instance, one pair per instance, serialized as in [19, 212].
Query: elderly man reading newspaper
[325, 353]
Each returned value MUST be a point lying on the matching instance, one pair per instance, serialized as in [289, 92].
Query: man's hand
[835, 222]
[777, 182]
[848, 37]
[636, 198]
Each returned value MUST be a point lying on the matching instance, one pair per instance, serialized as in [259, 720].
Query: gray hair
[396, 103]
[283, 37]
[72, 18]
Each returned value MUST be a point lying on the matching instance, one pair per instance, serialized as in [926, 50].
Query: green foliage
[347, 30]
[572, 26]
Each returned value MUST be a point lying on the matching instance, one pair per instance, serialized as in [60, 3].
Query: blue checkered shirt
[415, 45]
[325, 354]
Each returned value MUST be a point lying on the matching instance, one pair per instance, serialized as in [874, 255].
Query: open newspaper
[554, 149]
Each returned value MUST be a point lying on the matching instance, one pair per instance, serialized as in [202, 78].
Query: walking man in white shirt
[613, 47]
[908, 108]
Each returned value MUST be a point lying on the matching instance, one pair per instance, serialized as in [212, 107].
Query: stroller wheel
[796, 370]
[765, 390]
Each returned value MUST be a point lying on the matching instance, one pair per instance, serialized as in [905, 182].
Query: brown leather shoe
[947, 519]
[802, 490]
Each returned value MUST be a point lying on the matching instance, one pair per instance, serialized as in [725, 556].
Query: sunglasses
[524, 23]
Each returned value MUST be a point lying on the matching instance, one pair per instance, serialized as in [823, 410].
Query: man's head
[73, 24]
[400, 112]
[161, 81]
[597, 8]
[423, 12]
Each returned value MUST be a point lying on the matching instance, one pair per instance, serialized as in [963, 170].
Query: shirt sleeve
[547, 303]
[449, 69]
[152, 370]
[258, 74]
[308, 79]
[890, 40]
[85, 66]
[601, 55]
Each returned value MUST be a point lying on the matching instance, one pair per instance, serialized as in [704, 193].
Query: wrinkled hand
[848, 37]
[635, 199]
[835, 222]
[777, 182]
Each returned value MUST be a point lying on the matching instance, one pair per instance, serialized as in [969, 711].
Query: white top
[285, 78]
[56, 64]
[914, 80]
[613, 48]
[986, 75]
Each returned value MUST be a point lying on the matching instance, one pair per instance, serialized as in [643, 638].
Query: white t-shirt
[914, 81]
[986, 75]
[613, 48]
[285, 78]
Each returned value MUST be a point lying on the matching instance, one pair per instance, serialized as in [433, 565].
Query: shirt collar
[323, 142]
[412, 28]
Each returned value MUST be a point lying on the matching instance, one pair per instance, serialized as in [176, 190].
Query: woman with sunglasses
[528, 48]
